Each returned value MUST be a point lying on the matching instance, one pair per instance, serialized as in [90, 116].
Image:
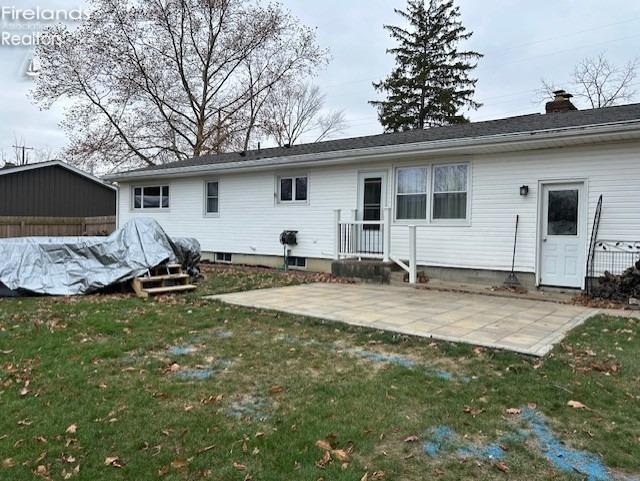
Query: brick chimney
[560, 103]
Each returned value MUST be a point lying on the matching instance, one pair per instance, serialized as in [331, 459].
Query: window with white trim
[212, 200]
[293, 189]
[411, 193]
[151, 197]
[223, 257]
[450, 185]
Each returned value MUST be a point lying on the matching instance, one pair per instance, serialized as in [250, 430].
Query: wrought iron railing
[614, 257]
[589, 274]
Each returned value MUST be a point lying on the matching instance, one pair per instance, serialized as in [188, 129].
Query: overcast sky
[521, 41]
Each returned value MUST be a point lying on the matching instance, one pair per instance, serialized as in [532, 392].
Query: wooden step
[154, 291]
[166, 277]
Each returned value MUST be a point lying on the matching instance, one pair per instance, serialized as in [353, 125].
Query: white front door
[562, 239]
[371, 202]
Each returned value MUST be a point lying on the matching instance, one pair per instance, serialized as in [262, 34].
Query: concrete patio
[520, 325]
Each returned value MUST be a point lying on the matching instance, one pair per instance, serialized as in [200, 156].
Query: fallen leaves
[374, 475]
[502, 466]
[514, 411]
[473, 411]
[72, 429]
[411, 439]
[331, 452]
[113, 461]
[8, 463]
[576, 405]
[239, 466]
[212, 399]
[276, 389]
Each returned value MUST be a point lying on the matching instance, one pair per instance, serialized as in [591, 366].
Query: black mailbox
[289, 238]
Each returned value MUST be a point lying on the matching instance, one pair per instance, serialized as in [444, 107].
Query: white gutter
[521, 140]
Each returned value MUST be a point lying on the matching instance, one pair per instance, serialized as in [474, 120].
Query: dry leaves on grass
[374, 475]
[113, 461]
[72, 429]
[276, 389]
[502, 466]
[8, 463]
[329, 453]
[514, 411]
[239, 467]
[473, 411]
[576, 405]
[411, 439]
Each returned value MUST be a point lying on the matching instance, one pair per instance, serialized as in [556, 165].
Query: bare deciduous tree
[294, 109]
[153, 81]
[598, 82]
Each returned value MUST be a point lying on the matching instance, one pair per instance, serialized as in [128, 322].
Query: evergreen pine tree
[431, 80]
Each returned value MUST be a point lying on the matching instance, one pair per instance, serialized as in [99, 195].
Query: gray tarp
[80, 265]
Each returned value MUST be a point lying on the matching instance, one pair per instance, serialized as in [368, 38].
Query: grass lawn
[179, 388]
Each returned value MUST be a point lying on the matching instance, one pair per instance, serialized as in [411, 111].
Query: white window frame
[293, 200]
[430, 221]
[205, 208]
[467, 219]
[147, 186]
[397, 170]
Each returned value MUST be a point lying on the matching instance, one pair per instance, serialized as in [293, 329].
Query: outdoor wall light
[524, 190]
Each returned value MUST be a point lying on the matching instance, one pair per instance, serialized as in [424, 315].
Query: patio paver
[520, 325]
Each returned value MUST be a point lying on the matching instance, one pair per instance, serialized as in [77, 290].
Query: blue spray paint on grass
[561, 456]
[386, 358]
[443, 439]
[195, 374]
[182, 350]
[200, 373]
[406, 363]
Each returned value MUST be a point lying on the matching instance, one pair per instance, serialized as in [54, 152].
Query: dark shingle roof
[510, 125]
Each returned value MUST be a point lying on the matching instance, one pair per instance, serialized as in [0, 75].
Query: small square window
[224, 257]
[293, 189]
[297, 262]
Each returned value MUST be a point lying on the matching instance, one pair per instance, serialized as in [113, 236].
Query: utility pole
[24, 152]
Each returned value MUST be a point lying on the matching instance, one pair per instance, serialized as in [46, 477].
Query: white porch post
[386, 231]
[336, 237]
[412, 254]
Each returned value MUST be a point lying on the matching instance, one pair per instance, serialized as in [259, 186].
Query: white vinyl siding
[251, 222]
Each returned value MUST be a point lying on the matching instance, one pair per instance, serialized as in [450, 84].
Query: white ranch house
[458, 188]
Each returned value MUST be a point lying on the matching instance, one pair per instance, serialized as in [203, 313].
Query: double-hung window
[212, 199]
[151, 197]
[293, 189]
[450, 184]
[411, 193]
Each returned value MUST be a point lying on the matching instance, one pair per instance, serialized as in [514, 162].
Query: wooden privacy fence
[56, 226]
